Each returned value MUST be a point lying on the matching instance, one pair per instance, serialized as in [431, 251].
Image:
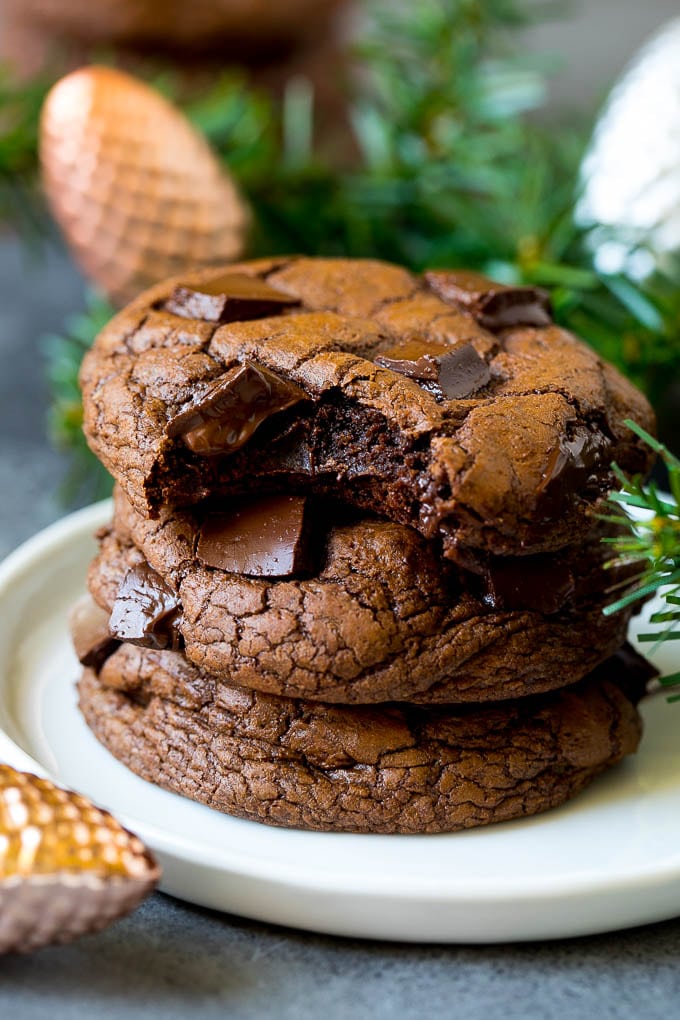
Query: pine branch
[87, 478]
[20, 202]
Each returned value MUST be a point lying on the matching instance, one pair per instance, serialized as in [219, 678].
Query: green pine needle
[653, 542]
[87, 478]
[20, 202]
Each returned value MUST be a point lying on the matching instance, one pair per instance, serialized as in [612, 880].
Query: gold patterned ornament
[66, 867]
[136, 190]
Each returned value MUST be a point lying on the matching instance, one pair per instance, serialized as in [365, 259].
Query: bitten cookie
[368, 614]
[382, 769]
[446, 402]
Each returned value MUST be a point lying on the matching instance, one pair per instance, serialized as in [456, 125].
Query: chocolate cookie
[381, 769]
[444, 402]
[377, 617]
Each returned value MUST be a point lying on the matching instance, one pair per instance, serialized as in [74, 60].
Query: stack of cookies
[354, 579]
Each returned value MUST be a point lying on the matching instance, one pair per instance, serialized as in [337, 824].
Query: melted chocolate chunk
[233, 297]
[537, 583]
[456, 372]
[294, 452]
[264, 537]
[90, 634]
[570, 467]
[229, 412]
[495, 306]
[146, 611]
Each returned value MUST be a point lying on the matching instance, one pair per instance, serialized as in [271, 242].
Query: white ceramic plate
[609, 859]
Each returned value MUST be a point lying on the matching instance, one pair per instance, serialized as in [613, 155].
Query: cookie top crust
[372, 614]
[430, 400]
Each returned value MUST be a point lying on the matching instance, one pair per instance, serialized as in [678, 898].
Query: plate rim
[501, 888]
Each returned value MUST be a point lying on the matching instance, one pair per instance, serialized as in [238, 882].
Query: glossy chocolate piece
[536, 583]
[571, 465]
[232, 297]
[264, 537]
[226, 416]
[146, 611]
[293, 451]
[495, 306]
[456, 372]
[92, 641]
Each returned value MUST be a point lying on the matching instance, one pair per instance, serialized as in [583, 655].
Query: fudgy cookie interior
[447, 403]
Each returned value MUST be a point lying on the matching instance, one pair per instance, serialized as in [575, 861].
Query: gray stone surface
[172, 961]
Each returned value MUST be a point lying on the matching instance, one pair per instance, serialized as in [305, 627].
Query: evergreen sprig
[650, 539]
[87, 478]
[20, 105]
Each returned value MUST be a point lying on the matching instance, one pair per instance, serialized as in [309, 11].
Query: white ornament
[630, 176]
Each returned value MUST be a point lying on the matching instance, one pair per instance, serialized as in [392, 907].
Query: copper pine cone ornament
[66, 867]
[135, 188]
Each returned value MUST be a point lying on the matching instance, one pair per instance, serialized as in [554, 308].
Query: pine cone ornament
[135, 188]
[631, 172]
[66, 867]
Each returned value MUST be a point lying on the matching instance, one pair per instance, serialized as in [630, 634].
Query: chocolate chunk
[226, 416]
[233, 297]
[457, 372]
[92, 641]
[635, 668]
[293, 452]
[537, 583]
[462, 372]
[415, 358]
[570, 467]
[495, 306]
[146, 611]
[264, 537]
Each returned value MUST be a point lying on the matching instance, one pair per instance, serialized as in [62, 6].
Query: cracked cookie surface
[512, 467]
[382, 618]
[382, 769]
